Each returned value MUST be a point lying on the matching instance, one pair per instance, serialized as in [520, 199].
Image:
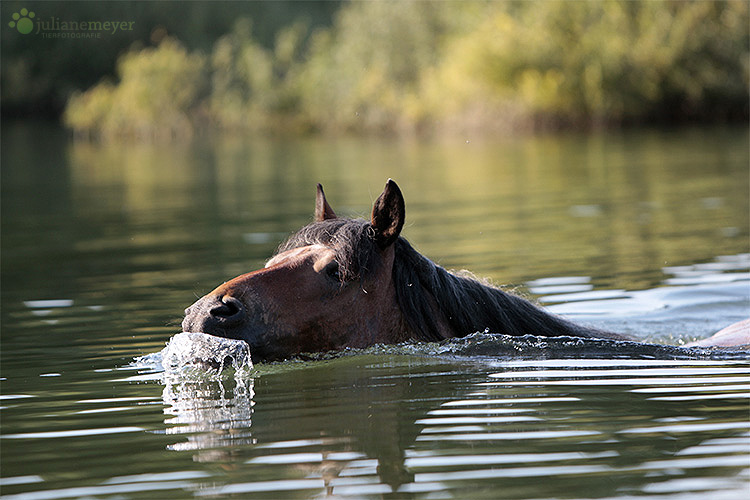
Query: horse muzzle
[222, 316]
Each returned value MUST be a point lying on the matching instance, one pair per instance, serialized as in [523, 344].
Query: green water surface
[104, 245]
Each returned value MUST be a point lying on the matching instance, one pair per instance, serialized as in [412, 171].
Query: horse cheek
[304, 322]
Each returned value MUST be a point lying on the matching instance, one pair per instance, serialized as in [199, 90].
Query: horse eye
[332, 271]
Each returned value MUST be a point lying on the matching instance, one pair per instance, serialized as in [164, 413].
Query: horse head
[328, 287]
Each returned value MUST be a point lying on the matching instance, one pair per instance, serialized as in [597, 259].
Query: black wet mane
[429, 295]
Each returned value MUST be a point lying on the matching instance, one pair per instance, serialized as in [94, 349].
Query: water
[202, 352]
[644, 232]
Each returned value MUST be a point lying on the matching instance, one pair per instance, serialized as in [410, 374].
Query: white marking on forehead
[297, 253]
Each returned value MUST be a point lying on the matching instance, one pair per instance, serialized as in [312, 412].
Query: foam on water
[493, 346]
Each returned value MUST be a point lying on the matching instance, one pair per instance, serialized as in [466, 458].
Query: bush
[87, 112]
[252, 87]
[597, 62]
[362, 73]
[159, 94]
[413, 66]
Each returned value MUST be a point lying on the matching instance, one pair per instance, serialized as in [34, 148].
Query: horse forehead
[315, 252]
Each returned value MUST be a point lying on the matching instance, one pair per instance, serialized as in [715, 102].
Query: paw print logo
[22, 21]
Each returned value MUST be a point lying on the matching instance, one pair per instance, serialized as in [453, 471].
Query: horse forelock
[358, 256]
[351, 239]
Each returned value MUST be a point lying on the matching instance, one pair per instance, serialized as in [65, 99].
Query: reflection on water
[483, 417]
[201, 213]
[207, 392]
[215, 418]
[641, 232]
[675, 313]
[724, 269]
[538, 413]
[374, 425]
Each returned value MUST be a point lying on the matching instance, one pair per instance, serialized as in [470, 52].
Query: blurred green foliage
[38, 75]
[254, 87]
[599, 62]
[159, 94]
[435, 66]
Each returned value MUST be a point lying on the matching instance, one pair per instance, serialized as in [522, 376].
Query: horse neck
[438, 304]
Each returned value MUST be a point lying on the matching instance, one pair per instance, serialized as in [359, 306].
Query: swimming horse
[341, 282]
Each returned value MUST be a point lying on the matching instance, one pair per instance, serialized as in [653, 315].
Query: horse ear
[388, 214]
[323, 210]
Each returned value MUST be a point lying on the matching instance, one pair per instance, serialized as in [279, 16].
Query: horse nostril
[228, 309]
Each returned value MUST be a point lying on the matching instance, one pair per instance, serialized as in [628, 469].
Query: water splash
[199, 355]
